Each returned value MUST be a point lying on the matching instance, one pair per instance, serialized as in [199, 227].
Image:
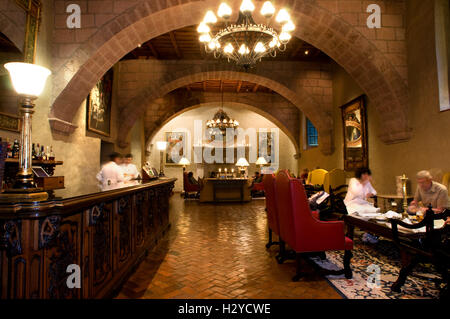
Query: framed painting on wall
[9, 122]
[354, 123]
[176, 146]
[33, 11]
[267, 146]
[98, 106]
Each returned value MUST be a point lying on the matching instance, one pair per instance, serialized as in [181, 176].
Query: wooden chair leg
[299, 273]
[282, 254]
[347, 265]
[270, 243]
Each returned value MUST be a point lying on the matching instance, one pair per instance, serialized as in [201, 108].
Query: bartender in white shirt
[111, 174]
[130, 171]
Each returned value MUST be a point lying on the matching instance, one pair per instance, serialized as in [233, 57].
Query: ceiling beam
[152, 48]
[204, 86]
[255, 88]
[238, 89]
[175, 44]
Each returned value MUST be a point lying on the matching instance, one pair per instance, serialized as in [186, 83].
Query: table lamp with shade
[261, 161]
[242, 163]
[184, 161]
[161, 146]
[28, 81]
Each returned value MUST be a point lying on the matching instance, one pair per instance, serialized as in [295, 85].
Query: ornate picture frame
[99, 104]
[266, 141]
[33, 10]
[9, 122]
[354, 124]
[176, 142]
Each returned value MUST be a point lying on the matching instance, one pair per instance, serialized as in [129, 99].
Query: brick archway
[359, 56]
[162, 113]
[300, 98]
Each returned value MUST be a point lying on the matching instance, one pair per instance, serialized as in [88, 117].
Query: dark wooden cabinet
[106, 234]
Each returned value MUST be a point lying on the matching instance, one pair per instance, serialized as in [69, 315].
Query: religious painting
[267, 142]
[176, 146]
[355, 134]
[9, 122]
[33, 11]
[98, 106]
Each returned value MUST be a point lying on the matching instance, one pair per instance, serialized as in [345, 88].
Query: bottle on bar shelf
[51, 155]
[43, 157]
[38, 152]
[33, 152]
[16, 149]
[9, 149]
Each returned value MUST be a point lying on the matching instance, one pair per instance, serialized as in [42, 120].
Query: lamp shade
[261, 161]
[28, 79]
[184, 161]
[161, 145]
[242, 162]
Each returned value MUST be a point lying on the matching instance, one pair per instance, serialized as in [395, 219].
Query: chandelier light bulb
[203, 28]
[228, 49]
[267, 9]
[224, 11]
[283, 16]
[205, 38]
[210, 17]
[212, 45]
[247, 6]
[285, 37]
[288, 26]
[243, 49]
[260, 48]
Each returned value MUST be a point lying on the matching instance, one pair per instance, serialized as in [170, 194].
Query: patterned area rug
[382, 258]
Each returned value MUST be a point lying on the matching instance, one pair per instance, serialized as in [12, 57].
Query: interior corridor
[218, 251]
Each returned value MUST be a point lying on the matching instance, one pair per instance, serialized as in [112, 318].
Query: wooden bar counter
[105, 233]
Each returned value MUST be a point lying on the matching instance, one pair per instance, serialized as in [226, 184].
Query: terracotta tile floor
[218, 251]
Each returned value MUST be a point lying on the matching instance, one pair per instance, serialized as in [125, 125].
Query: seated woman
[359, 191]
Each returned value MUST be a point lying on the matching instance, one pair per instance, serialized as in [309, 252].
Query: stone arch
[232, 104]
[173, 110]
[301, 99]
[359, 56]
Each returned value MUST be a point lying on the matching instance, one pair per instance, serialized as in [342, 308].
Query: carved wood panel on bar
[106, 234]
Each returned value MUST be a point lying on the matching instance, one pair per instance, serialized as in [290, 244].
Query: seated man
[256, 180]
[304, 175]
[191, 179]
[429, 192]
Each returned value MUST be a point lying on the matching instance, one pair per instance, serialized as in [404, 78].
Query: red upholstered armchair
[188, 187]
[303, 232]
[271, 207]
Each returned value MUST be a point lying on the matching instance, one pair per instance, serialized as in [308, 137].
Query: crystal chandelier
[222, 121]
[246, 42]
